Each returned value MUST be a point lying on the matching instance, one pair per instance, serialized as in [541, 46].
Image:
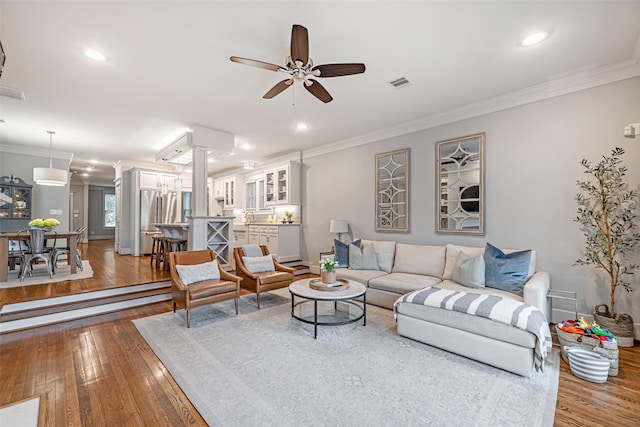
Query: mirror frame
[481, 191]
[395, 165]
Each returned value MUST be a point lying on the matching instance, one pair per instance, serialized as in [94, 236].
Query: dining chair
[32, 250]
[67, 250]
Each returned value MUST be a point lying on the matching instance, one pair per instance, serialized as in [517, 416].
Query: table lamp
[339, 226]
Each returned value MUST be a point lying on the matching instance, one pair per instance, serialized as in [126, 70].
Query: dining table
[70, 236]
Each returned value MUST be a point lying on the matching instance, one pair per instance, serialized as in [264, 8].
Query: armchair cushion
[198, 272]
[258, 264]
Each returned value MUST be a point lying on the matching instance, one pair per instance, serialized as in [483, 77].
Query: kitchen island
[178, 230]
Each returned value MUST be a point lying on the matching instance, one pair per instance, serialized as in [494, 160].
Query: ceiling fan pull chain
[293, 97]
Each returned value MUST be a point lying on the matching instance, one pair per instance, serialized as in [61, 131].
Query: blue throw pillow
[507, 272]
[342, 252]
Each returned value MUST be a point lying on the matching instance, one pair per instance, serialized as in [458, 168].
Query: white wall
[532, 164]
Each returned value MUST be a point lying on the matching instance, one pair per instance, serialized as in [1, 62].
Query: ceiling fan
[300, 68]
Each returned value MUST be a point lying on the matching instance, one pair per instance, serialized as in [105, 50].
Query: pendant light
[50, 176]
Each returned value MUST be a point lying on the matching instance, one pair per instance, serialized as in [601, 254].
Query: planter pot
[621, 326]
[328, 277]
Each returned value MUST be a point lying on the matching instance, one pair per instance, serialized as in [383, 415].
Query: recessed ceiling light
[302, 126]
[247, 146]
[93, 161]
[210, 160]
[95, 55]
[534, 38]
[85, 174]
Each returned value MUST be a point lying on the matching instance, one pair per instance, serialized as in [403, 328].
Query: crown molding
[574, 82]
[35, 152]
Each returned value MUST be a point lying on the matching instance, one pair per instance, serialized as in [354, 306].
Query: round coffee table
[355, 310]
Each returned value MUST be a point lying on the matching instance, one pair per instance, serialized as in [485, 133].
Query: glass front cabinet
[15, 198]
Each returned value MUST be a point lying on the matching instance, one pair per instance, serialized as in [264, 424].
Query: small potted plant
[327, 266]
[289, 215]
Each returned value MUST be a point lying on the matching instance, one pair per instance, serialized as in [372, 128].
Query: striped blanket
[494, 307]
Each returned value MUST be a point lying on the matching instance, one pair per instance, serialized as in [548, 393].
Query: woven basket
[588, 364]
[621, 326]
[606, 348]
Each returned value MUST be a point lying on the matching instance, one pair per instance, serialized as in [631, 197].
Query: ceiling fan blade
[278, 88]
[336, 70]
[318, 91]
[299, 44]
[259, 64]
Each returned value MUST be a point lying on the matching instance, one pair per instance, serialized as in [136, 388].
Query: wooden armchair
[265, 281]
[202, 292]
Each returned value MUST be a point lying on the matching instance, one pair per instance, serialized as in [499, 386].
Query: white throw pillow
[362, 259]
[469, 271]
[258, 264]
[198, 272]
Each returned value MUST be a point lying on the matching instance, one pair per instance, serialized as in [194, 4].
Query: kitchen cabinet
[229, 189]
[283, 241]
[254, 194]
[15, 202]
[218, 189]
[282, 185]
[154, 180]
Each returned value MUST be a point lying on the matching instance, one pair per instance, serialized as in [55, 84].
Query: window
[109, 210]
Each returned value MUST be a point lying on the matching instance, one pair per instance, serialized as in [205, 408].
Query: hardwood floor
[99, 371]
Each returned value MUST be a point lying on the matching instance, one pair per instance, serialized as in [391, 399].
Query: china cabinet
[15, 198]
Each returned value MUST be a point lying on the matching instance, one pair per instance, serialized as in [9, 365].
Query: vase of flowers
[44, 224]
[328, 273]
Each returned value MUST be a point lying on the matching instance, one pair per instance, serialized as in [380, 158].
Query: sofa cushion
[362, 258]
[507, 272]
[342, 251]
[419, 259]
[385, 252]
[193, 273]
[362, 276]
[469, 270]
[402, 283]
[453, 286]
[258, 264]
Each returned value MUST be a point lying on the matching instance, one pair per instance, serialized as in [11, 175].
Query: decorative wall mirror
[460, 185]
[392, 191]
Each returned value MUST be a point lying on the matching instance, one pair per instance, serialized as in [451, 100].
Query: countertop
[243, 227]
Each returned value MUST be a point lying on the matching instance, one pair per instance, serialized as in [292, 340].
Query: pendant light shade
[50, 176]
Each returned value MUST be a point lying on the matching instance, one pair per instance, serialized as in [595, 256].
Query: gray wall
[43, 198]
[532, 164]
[96, 229]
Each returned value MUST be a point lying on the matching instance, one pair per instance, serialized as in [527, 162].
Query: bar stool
[172, 245]
[156, 246]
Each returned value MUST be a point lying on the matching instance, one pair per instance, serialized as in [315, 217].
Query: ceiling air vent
[12, 93]
[400, 83]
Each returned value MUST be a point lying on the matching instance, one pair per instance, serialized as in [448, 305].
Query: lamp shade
[339, 226]
[50, 176]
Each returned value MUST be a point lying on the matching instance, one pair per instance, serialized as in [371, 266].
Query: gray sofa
[404, 268]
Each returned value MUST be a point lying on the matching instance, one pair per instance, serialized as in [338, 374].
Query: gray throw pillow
[198, 272]
[362, 259]
[342, 252]
[469, 271]
[258, 264]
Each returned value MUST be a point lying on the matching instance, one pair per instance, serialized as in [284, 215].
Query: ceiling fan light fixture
[50, 176]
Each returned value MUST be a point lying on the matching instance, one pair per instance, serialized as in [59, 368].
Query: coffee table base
[315, 321]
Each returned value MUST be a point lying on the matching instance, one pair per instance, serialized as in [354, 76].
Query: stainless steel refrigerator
[155, 208]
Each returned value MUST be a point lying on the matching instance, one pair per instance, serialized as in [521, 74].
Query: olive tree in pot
[607, 218]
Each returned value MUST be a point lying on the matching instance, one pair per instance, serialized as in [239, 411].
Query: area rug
[21, 414]
[264, 368]
[40, 275]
